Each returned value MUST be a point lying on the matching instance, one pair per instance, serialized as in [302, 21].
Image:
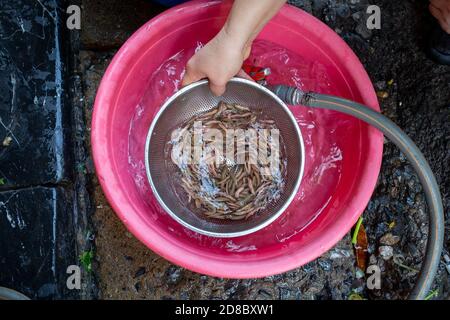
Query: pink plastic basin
[124, 85]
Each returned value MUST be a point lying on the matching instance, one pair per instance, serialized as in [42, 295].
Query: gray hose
[9, 294]
[435, 242]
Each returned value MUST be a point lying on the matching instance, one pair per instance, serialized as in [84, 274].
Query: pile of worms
[228, 190]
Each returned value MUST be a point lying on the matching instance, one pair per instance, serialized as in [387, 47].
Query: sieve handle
[294, 96]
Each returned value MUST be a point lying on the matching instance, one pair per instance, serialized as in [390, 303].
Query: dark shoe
[439, 50]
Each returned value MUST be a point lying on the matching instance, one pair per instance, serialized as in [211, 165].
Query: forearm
[248, 17]
[222, 57]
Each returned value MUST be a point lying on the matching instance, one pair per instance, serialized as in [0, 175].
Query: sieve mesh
[195, 99]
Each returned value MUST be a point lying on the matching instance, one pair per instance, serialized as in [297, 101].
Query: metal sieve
[197, 98]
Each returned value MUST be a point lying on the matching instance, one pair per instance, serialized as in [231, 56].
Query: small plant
[355, 296]
[356, 232]
[86, 260]
[431, 295]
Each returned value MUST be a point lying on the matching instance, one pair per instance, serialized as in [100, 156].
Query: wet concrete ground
[416, 96]
[37, 188]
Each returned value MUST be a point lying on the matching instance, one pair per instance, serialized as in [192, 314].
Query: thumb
[217, 89]
[190, 76]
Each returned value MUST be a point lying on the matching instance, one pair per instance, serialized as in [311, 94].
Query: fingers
[191, 75]
[441, 4]
[217, 83]
[435, 12]
[442, 17]
[217, 89]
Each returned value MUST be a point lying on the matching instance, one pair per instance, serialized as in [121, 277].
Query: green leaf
[355, 233]
[355, 296]
[431, 295]
[86, 260]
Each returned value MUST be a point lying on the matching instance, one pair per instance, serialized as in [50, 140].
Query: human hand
[440, 9]
[219, 60]
[222, 57]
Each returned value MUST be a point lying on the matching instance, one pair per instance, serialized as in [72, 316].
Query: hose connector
[289, 95]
